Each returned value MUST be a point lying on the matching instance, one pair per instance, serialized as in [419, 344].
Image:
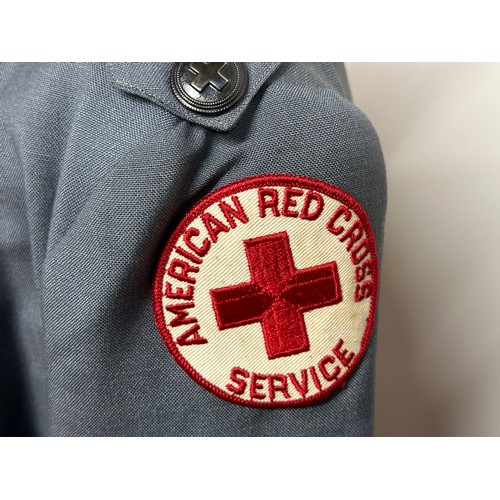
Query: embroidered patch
[266, 292]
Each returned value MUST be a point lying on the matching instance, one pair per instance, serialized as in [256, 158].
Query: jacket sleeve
[159, 234]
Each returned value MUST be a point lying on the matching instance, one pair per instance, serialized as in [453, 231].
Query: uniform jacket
[98, 164]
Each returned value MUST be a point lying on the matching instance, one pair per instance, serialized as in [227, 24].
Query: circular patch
[266, 292]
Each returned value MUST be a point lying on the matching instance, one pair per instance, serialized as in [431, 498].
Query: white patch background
[226, 264]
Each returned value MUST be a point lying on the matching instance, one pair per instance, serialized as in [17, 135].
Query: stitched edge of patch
[287, 180]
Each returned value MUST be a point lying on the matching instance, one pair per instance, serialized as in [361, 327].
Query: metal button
[208, 87]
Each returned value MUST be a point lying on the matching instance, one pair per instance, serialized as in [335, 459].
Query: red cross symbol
[277, 295]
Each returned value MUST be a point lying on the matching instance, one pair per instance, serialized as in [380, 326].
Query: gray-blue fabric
[98, 163]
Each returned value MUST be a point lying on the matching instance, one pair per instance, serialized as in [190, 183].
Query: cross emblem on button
[208, 74]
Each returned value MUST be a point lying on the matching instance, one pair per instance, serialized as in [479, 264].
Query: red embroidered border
[291, 181]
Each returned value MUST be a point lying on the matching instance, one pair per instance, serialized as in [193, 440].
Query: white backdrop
[438, 370]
